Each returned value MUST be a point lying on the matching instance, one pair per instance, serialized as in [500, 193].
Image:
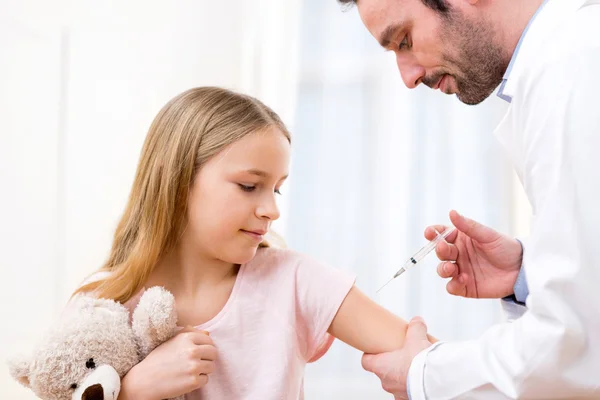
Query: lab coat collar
[548, 17]
[501, 93]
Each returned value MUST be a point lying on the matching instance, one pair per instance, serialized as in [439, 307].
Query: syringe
[419, 255]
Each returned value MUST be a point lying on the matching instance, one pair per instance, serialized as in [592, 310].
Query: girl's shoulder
[281, 264]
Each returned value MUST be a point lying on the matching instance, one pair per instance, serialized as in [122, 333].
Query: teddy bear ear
[19, 369]
[82, 300]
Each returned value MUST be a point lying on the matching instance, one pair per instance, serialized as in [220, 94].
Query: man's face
[456, 52]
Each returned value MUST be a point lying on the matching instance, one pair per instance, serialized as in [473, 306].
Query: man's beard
[479, 64]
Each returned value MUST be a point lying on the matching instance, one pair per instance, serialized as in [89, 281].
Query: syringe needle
[400, 272]
[385, 284]
[419, 255]
[397, 274]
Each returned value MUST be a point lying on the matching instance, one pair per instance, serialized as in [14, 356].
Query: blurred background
[373, 163]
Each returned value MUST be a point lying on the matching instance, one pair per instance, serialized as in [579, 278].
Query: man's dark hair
[440, 6]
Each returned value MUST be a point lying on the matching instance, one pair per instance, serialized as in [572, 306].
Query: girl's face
[233, 199]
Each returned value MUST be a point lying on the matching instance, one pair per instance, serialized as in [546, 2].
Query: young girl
[200, 209]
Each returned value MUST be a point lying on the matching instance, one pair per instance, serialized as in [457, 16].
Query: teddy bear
[94, 343]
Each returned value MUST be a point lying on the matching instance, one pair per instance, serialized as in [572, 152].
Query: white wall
[79, 87]
[29, 175]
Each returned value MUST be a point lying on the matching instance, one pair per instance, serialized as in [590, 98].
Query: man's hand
[392, 368]
[481, 262]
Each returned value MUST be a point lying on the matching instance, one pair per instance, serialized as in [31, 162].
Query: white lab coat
[552, 133]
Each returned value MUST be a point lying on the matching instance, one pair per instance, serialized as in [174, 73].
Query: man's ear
[19, 369]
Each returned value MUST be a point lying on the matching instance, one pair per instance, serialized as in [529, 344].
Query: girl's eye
[403, 44]
[247, 188]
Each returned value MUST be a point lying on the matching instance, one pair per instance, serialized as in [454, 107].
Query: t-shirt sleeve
[320, 291]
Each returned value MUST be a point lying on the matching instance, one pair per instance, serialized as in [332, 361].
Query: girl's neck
[186, 273]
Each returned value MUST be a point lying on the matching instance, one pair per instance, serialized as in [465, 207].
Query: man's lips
[437, 85]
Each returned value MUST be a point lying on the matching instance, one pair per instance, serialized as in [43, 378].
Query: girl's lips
[258, 235]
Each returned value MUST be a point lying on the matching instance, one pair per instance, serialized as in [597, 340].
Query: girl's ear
[19, 370]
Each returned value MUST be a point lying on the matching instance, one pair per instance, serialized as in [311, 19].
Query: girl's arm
[368, 327]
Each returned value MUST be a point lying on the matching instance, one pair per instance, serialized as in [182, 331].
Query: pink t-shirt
[275, 321]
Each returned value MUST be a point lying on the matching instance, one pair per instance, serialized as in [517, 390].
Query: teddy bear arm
[154, 319]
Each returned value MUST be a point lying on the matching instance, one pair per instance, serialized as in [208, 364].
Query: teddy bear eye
[90, 364]
[74, 386]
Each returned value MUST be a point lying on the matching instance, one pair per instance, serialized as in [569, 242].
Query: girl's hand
[176, 367]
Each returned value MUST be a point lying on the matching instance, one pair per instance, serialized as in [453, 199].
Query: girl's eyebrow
[261, 173]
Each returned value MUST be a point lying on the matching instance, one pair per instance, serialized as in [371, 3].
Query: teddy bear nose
[94, 392]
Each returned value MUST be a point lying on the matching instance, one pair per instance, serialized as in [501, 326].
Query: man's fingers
[447, 270]
[417, 330]
[472, 228]
[456, 287]
[430, 233]
[446, 251]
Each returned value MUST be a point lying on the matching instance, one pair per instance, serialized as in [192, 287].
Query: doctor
[545, 56]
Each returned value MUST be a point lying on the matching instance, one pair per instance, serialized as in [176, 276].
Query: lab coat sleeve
[553, 350]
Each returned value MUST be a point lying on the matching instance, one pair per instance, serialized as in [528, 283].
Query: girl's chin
[242, 256]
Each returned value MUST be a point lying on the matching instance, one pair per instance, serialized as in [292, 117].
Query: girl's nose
[268, 209]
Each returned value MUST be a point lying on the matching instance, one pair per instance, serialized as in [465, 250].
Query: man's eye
[247, 188]
[403, 44]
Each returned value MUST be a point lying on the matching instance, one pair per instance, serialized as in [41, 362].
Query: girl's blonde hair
[189, 130]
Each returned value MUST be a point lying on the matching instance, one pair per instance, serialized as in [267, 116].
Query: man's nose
[410, 70]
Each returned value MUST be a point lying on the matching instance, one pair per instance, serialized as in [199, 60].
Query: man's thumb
[369, 362]
[417, 330]
[472, 228]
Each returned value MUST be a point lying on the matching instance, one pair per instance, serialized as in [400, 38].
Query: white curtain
[373, 165]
